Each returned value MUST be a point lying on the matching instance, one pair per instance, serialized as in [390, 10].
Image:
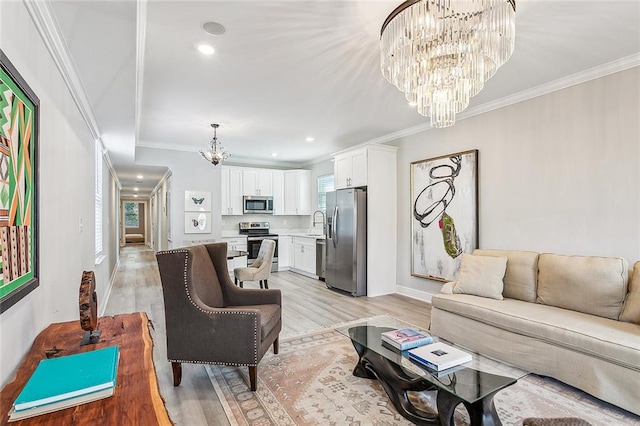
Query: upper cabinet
[297, 192]
[350, 169]
[278, 192]
[257, 182]
[231, 192]
[290, 189]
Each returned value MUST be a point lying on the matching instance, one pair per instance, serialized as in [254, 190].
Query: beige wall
[558, 173]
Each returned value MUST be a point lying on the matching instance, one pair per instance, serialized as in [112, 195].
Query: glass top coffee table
[473, 384]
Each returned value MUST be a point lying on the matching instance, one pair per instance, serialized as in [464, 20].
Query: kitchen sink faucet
[322, 222]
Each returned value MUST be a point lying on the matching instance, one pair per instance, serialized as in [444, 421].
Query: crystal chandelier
[439, 53]
[215, 152]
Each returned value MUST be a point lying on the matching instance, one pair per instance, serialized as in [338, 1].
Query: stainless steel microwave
[252, 204]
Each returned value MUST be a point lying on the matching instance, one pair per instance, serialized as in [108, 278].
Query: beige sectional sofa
[574, 318]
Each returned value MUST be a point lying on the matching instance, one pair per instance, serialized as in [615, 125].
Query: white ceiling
[290, 69]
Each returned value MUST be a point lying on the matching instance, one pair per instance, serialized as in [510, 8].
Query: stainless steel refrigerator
[346, 261]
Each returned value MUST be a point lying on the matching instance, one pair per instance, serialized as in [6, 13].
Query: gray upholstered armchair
[209, 320]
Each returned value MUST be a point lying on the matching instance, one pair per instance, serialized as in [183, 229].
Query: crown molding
[49, 30]
[612, 67]
[169, 146]
[603, 70]
[141, 38]
[161, 182]
[47, 26]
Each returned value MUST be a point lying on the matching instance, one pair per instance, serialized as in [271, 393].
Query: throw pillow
[447, 288]
[631, 310]
[481, 276]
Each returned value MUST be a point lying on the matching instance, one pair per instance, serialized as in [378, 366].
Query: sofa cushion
[521, 277]
[631, 310]
[589, 284]
[611, 340]
[481, 276]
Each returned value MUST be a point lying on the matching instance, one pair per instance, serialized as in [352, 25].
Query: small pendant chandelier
[215, 152]
[439, 53]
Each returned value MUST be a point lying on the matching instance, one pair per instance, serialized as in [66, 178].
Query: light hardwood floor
[307, 305]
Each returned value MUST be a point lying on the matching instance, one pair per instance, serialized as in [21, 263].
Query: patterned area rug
[310, 382]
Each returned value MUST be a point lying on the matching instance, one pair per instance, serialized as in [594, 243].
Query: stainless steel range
[256, 232]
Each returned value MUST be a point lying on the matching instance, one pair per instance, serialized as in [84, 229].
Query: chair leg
[177, 373]
[235, 280]
[253, 378]
[266, 284]
[261, 284]
[241, 284]
[276, 345]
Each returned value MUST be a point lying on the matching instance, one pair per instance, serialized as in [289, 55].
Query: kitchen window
[325, 184]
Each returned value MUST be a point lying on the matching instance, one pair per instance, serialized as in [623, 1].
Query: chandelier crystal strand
[215, 152]
[439, 53]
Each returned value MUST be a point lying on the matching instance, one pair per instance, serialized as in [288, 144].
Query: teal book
[69, 378]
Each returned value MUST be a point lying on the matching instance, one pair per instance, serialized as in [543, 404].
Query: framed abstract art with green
[444, 213]
[19, 128]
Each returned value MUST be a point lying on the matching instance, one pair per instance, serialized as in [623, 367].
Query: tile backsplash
[230, 223]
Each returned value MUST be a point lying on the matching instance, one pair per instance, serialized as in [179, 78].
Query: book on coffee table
[67, 381]
[439, 356]
[406, 338]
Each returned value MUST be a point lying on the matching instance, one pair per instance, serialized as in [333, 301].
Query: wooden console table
[136, 400]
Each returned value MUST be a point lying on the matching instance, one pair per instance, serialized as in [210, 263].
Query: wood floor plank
[307, 305]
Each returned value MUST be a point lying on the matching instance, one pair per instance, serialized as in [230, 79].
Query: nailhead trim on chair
[235, 364]
[186, 289]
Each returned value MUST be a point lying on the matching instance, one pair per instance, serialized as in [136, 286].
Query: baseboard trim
[301, 272]
[112, 279]
[414, 294]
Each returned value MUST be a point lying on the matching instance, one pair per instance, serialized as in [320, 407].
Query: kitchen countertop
[302, 234]
[282, 232]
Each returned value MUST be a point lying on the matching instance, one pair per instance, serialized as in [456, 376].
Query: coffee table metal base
[396, 383]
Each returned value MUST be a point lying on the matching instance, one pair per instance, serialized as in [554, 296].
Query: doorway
[134, 220]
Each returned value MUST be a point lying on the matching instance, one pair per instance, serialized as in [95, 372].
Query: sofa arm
[247, 297]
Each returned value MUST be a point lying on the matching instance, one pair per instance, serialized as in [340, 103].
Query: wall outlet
[80, 226]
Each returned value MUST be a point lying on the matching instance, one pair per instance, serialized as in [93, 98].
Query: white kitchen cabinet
[257, 182]
[278, 193]
[297, 192]
[231, 191]
[285, 252]
[236, 243]
[350, 169]
[304, 257]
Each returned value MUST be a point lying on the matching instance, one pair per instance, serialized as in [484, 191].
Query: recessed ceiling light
[139, 176]
[135, 195]
[205, 49]
[274, 154]
[213, 28]
[310, 139]
[135, 189]
[413, 104]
